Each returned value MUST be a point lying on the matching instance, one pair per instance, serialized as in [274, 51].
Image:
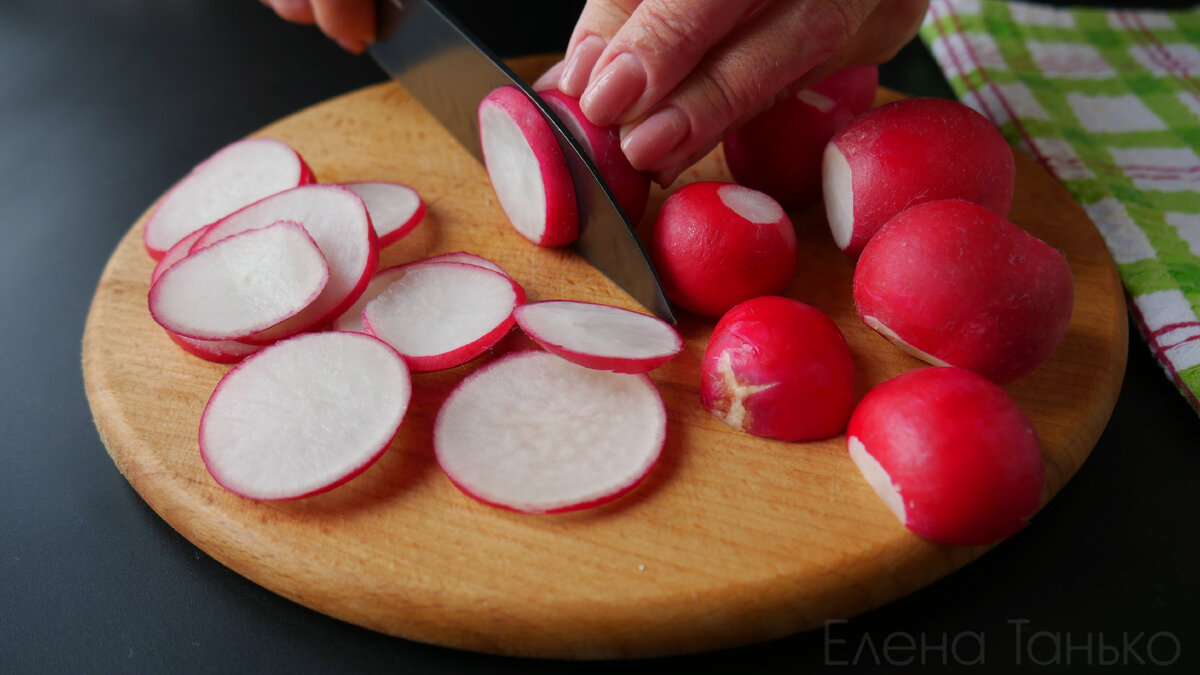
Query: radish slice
[337, 220]
[527, 169]
[600, 336]
[395, 208]
[535, 433]
[176, 253]
[470, 259]
[241, 285]
[237, 175]
[440, 315]
[304, 415]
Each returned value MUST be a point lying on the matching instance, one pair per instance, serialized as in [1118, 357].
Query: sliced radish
[603, 145]
[338, 222]
[395, 208]
[600, 336]
[527, 169]
[241, 285]
[304, 415]
[442, 314]
[239, 174]
[535, 433]
[470, 259]
[217, 351]
[176, 253]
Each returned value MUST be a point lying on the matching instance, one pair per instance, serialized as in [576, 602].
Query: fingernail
[352, 46]
[616, 88]
[649, 141]
[579, 66]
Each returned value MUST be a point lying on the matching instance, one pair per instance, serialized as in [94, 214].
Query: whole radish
[950, 453]
[780, 368]
[715, 244]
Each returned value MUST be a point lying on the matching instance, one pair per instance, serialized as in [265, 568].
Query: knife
[449, 71]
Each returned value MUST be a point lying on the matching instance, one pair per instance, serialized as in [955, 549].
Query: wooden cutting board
[731, 539]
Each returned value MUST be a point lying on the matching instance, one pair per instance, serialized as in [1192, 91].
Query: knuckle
[669, 30]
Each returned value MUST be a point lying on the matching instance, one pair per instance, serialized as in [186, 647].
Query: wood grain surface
[731, 539]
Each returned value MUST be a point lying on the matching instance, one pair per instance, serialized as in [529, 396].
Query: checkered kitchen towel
[1108, 100]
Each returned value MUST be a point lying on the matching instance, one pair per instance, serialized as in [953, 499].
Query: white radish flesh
[304, 415]
[535, 433]
[600, 336]
[440, 315]
[237, 175]
[395, 208]
[470, 259]
[241, 285]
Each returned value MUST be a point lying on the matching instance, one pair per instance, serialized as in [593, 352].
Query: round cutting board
[731, 539]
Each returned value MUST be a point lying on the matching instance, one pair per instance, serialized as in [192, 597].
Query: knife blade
[449, 71]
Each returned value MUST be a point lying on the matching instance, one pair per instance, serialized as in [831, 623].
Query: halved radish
[395, 208]
[603, 145]
[240, 285]
[304, 415]
[527, 169]
[338, 222]
[535, 433]
[239, 174]
[442, 314]
[600, 336]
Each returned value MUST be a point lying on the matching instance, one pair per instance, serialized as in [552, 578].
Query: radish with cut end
[906, 153]
[950, 453]
[779, 368]
[600, 336]
[338, 222]
[716, 244]
[395, 208]
[239, 174]
[527, 169]
[442, 314]
[779, 151]
[535, 433]
[240, 285]
[304, 415]
[952, 283]
[603, 146]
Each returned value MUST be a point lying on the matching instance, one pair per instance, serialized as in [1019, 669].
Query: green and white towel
[1107, 100]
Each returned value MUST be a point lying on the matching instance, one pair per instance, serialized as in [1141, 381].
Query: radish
[442, 314]
[955, 284]
[908, 152]
[716, 244]
[950, 453]
[240, 285]
[779, 368]
[239, 174]
[779, 151]
[304, 415]
[527, 169]
[600, 336]
[395, 208]
[603, 145]
[470, 259]
[176, 253]
[338, 222]
[535, 433]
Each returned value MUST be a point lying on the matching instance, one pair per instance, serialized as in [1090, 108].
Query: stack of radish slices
[280, 276]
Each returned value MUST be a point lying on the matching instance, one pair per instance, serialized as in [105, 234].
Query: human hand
[350, 23]
[678, 75]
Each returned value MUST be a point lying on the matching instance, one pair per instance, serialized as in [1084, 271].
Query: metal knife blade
[449, 71]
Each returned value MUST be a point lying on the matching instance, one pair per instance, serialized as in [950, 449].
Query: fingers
[350, 23]
[598, 22]
[296, 11]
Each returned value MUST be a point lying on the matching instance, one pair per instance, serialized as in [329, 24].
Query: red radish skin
[338, 222]
[716, 244]
[241, 285]
[527, 169]
[779, 151]
[955, 284]
[534, 433]
[470, 259]
[906, 153]
[304, 415]
[603, 145]
[778, 368]
[176, 253]
[239, 174]
[443, 314]
[598, 336]
[395, 208]
[950, 453]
